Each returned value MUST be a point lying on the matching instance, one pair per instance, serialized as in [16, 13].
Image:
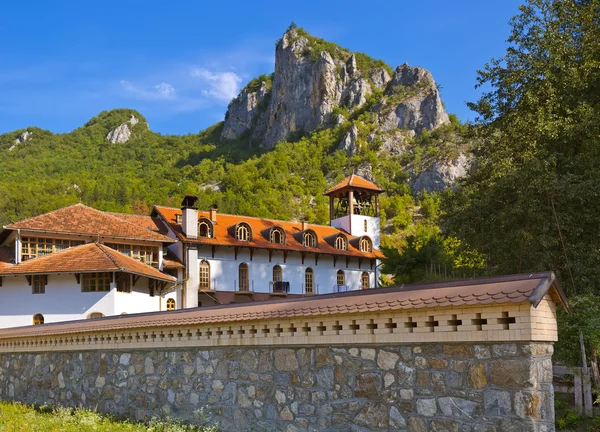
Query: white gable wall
[64, 301]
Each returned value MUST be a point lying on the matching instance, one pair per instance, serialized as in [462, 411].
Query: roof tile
[354, 181]
[223, 237]
[405, 297]
[81, 219]
[90, 257]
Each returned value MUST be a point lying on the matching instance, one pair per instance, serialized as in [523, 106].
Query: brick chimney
[213, 214]
[189, 220]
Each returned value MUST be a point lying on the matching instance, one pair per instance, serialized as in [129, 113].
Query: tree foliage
[531, 201]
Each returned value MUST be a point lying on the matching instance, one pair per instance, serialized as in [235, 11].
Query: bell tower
[354, 207]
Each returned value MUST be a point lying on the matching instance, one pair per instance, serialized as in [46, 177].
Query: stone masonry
[399, 387]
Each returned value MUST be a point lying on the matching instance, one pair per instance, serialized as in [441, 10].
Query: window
[95, 282]
[365, 224]
[170, 304]
[204, 282]
[365, 245]
[242, 232]
[124, 282]
[340, 243]
[95, 315]
[277, 274]
[38, 319]
[145, 254]
[38, 284]
[32, 247]
[309, 281]
[309, 239]
[243, 275]
[204, 228]
[365, 279]
[341, 278]
[277, 236]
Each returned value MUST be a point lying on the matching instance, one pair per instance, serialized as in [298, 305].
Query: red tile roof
[90, 257]
[223, 235]
[143, 221]
[354, 181]
[81, 219]
[497, 290]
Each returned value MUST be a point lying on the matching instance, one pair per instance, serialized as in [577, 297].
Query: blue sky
[180, 62]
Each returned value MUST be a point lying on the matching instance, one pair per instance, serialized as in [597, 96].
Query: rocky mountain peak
[25, 136]
[121, 133]
[314, 77]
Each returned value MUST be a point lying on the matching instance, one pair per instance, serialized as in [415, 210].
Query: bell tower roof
[353, 182]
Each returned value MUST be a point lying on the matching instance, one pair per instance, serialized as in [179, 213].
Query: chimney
[189, 219]
[304, 225]
[213, 213]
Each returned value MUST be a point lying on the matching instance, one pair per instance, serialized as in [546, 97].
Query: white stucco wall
[64, 301]
[224, 270]
[357, 228]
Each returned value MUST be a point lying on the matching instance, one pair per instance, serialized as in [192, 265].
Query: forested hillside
[387, 126]
[529, 197]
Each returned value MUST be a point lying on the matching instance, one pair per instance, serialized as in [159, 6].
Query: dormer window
[243, 232]
[205, 228]
[366, 245]
[277, 236]
[341, 243]
[309, 239]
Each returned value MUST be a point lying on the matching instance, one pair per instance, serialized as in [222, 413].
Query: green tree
[532, 199]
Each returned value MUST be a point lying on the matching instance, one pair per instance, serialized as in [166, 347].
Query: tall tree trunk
[595, 370]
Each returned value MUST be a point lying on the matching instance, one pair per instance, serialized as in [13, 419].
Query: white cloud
[222, 86]
[167, 90]
[157, 92]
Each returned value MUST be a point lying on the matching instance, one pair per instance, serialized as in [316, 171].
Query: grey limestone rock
[349, 143]
[358, 92]
[308, 86]
[25, 136]
[441, 175]
[120, 134]
[242, 112]
[379, 77]
[420, 106]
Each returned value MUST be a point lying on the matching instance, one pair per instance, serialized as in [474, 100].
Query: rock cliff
[313, 78]
[122, 133]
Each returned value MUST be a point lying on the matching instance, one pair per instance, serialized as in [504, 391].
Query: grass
[16, 417]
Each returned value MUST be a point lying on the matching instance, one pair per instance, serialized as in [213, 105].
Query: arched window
[204, 228]
[38, 319]
[204, 280]
[309, 239]
[170, 304]
[365, 279]
[277, 273]
[95, 315]
[244, 283]
[309, 281]
[341, 243]
[242, 232]
[341, 278]
[277, 236]
[366, 245]
[365, 224]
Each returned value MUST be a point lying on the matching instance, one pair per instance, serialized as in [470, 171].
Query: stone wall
[415, 387]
